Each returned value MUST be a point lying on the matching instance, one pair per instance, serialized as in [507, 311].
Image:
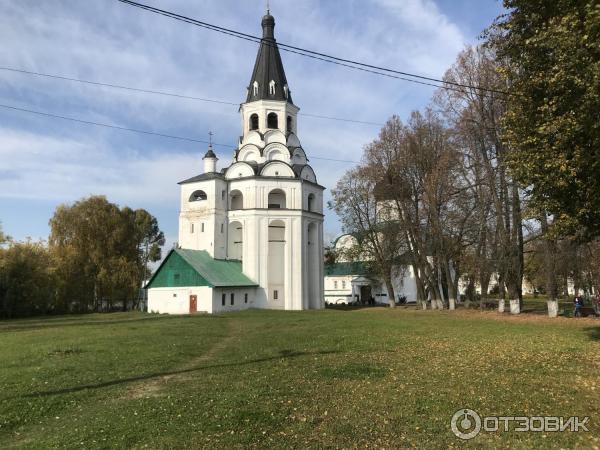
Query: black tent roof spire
[268, 80]
[210, 153]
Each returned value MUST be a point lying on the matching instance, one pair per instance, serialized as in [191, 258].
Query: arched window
[272, 88]
[235, 248]
[276, 199]
[272, 120]
[254, 122]
[313, 255]
[311, 202]
[236, 200]
[289, 124]
[255, 88]
[276, 261]
[198, 196]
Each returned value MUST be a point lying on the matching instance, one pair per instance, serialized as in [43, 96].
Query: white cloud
[114, 43]
[60, 170]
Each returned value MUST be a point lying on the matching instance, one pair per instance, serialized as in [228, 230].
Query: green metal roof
[346, 268]
[183, 267]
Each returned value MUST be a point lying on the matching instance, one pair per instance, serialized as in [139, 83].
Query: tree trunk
[419, 284]
[484, 282]
[515, 306]
[518, 227]
[452, 287]
[469, 292]
[552, 308]
[550, 268]
[391, 293]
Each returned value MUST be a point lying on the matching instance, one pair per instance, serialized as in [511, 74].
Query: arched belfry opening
[276, 262]
[254, 122]
[277, 199]
[289, 124]
[311, 203]
[272, 121]
[198, 196]
[236, 200]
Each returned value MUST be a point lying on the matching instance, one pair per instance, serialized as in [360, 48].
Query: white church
[251, 234]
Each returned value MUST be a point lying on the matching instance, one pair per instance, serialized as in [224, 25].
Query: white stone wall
[302, 268]
[239, 302]
[209, 300]
[177, 300]
[206, 216]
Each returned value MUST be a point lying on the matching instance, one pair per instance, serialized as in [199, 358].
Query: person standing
[578, 301]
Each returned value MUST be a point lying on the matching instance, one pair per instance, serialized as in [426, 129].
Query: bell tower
[265, 209]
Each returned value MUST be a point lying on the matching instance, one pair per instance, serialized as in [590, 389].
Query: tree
[406, 200]
[476, 117]
[102, 253]
[149, 240]
[27, 284]
[3, 237]
[417, 167]
[552, 63]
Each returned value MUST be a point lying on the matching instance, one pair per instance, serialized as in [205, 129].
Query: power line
[116, 86]
[116, 127]
[146, 132]
[356, 65]
[284, 47]
[341, 120]
[168, 94]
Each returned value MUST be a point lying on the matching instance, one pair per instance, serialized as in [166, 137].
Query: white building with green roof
[349, 282]
[251, 234]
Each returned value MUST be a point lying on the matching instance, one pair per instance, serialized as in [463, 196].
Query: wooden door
[365, 295]
[193, 304]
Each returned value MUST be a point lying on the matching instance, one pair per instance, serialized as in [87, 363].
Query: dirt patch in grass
[155, 386]
[64, 351]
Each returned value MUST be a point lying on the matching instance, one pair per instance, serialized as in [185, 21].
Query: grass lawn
[370, 378]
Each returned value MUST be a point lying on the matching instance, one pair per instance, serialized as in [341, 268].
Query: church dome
[268, 22]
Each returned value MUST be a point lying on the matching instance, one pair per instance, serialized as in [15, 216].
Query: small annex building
[190, 281]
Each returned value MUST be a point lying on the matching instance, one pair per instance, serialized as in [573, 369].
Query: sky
[45, 162]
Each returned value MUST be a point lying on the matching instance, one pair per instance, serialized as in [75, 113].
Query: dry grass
[370, 378]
